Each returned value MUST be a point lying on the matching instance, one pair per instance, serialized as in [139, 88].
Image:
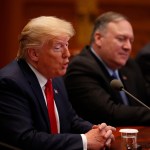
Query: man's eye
[121, 38]
[58, 46]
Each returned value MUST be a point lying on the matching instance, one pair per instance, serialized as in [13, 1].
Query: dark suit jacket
[23, 113]
[88, 85]
[143, 59]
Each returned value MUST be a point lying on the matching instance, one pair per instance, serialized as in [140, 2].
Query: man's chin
[120, 65]
[63, 72]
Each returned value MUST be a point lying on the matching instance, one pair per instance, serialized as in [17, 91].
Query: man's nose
[66, 52]
[128, 45]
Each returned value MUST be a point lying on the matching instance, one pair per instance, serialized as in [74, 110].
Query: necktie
[122, 94]
[50, 106]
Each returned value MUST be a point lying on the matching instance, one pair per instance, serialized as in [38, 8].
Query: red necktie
[50, 106]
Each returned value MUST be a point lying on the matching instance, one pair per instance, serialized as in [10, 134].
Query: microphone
[118, 85]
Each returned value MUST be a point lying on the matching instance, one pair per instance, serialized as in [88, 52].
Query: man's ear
[33, 54]
[98, 38]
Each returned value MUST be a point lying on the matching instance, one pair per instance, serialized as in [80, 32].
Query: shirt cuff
[84, 140]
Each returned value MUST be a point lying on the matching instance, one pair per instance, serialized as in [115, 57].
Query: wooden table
[143, 137]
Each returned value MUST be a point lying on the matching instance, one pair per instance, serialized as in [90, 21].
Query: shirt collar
[42, 80]
[110, 71]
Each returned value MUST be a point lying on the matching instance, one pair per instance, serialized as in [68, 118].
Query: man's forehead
[61, 39]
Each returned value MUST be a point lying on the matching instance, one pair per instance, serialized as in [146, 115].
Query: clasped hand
[100, 137]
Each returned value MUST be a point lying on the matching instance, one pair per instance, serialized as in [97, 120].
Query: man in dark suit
[25, 115]
[143, 59]
[89, 75]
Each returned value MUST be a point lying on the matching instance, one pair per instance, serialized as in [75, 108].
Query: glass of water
[128, 139]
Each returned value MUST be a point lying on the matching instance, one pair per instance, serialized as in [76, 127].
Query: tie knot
[114, 75]
[48, 85]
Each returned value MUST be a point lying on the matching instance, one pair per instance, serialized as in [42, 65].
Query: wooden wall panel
[10, 27]
[16, 13]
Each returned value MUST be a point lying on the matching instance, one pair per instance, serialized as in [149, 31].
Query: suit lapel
[101, 70]
[60, 97]
[124, 78]
[34, 84]
[126, 82]
[58, 101]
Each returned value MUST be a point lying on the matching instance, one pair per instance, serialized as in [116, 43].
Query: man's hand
[100, 137]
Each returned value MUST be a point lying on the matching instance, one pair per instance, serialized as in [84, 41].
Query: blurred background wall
[16, 13]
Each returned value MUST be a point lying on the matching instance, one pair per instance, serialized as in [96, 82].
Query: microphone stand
[135, 98]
